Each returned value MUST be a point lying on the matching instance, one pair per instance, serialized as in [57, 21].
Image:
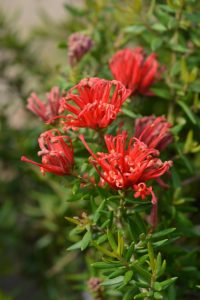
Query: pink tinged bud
[131, 165]
[56, 152]
[153, 218]
[78, 45]
[93, 103]
[48, 110]
[154, 132]
[134, 70]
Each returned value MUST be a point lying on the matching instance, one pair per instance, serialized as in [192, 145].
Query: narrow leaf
[120, 248]
[145, 274]
[111, 240]
[103, 250]
[127, 277]
[98, 211]
[130, 113]
[116, 273]
[188, 111]
[151, 256]
[159, 286]
[113, 281]
[86, 240]
[163, 233]
[75, 246]
[72, 220]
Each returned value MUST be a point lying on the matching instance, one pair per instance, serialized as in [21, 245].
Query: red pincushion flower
[134, 70]
[154, 132]
[96, 103]
[57, 155]
[127, 167]
[46, 111]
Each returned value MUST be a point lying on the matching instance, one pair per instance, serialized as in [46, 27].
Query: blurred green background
[33, 259]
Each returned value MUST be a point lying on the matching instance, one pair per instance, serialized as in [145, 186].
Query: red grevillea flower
[154, 132]
[46, 111]
[78, 45]
[95, 103]
[56, 151]
[134, 70]
[132, 166]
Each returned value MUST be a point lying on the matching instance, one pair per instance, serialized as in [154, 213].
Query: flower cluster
[134, 70]
[46, 111]
[131, 165]
[95, 103]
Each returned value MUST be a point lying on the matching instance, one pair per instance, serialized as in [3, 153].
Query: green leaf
[102, 239]
[136, 29]
[104, 250]
[159, 286]
[184, 71]
[111, 241]
[175, 178]
[143, 295]
[151, 256]
[86, 240]
[98, 211]
[189, 142]
[130, 251]
[105, 224]
[158, 263]
[75, 246]
[161, 92]
[160, 243]
[134, 232]
[103, 265]
[129, 294]
[72, 220]
[127, 277]
[116, 273]
[188, 111]
[139, 222]
[163, 233]
[142, 272]
[176, 129]
[130, 114]
[158, 27]
[120, 242]
[195, 86]
[113, 281]
[162, 269]
[178, 48]
[157, 296]
[186, 161]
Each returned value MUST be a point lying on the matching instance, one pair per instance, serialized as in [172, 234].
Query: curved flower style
[128, 167]
[49, 110]
[96, 103]
[154, 132]
[57, 155]
[78, 45]
[134, 70]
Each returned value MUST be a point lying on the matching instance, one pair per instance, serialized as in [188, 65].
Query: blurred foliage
[34, 233]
